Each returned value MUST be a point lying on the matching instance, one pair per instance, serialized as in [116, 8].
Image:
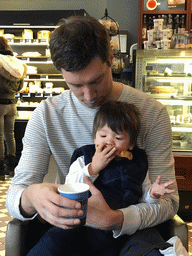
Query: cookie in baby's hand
[126, 154]
[97, 145]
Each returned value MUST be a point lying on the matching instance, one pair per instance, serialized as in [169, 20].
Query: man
[81, 51]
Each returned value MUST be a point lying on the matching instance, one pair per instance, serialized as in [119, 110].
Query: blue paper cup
[79, 192]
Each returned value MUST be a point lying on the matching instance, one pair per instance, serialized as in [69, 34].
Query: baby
[114, 163]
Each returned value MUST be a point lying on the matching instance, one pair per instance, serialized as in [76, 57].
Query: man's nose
[90, 93]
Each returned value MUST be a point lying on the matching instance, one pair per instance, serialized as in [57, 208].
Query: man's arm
[99, 214]
[27, 194]
[44, 199]
[33, 164]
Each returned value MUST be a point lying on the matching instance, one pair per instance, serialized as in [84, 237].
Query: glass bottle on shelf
[182, 24]
[176, 25]
[150, 23]
[164, 17]
[178, 41]
[144, 30]
[153, 22]
[180, 36]
[170, 24]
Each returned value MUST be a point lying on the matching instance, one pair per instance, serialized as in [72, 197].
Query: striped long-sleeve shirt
[61, 124]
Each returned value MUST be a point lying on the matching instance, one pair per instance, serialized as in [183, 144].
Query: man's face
[92, 85]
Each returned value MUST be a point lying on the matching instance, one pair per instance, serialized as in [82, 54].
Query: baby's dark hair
[118, 116]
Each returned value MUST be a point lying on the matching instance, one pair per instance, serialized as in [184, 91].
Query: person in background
[80, 50]
[12, 72]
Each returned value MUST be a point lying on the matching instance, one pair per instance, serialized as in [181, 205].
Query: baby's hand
[159, 189]
[102, 157]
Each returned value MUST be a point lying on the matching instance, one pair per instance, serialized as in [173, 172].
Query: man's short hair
[76, 41]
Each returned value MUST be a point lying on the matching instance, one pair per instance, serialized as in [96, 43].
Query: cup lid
[73, 188]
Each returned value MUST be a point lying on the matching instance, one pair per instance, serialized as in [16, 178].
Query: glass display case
[167, 76]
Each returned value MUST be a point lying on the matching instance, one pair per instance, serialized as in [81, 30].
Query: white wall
[94, 8]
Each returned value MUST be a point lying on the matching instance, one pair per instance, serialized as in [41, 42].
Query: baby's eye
[103, 136]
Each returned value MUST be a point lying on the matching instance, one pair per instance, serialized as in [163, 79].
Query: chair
[21, 236]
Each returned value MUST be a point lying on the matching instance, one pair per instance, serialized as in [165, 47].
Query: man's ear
[111, 57]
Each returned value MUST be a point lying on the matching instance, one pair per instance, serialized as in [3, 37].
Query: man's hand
[99, 214]
[45, 199]
[102, 157]
[159, 189]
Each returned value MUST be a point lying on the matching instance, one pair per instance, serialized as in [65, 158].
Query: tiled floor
[5, 217]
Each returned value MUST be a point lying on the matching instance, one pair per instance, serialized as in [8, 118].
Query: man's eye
[77, 86]
[118, 138]
[98, 81]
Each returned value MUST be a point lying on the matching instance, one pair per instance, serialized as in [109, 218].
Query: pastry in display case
[167, 77]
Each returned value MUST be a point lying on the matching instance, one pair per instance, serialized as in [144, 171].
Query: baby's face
[120, 140]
